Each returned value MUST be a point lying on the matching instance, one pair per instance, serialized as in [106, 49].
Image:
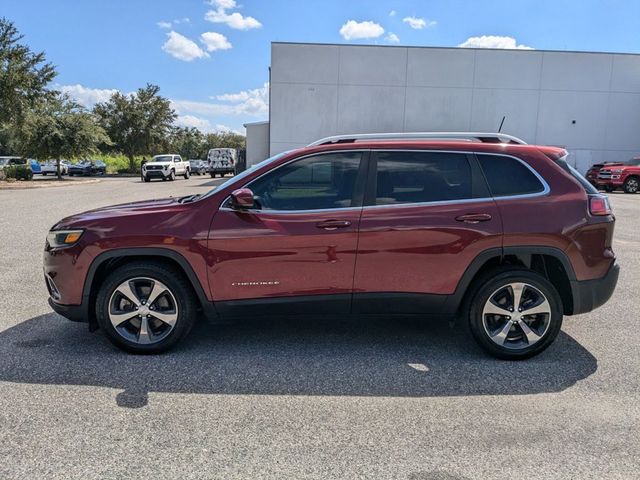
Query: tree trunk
[132, 164]
[58, 172]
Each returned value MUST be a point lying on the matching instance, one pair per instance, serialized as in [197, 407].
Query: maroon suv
[504, 235]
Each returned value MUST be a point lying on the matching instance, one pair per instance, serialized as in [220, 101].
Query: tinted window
[416, 177]
[320, 182]
[508, 176]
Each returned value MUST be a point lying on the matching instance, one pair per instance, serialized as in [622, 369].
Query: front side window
[419, 177]
[507, 176]
[313, 183]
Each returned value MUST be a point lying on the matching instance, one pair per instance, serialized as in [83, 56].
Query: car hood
[157, 163]
[88, 218]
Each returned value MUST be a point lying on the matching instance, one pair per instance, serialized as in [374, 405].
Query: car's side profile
[483, 227]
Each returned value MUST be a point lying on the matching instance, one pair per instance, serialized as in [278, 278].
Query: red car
[503, 235]
[592, 173]
[625, 176]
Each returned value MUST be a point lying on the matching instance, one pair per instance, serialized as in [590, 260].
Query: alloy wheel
[516, 316]
[143, 310]
[632, 185]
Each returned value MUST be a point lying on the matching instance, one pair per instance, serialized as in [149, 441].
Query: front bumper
[75, 313]
[591, 294]
[155, 174]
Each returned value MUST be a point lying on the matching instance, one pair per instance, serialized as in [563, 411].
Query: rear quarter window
[507, 176]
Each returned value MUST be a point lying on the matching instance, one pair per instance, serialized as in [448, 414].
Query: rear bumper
[591, 294]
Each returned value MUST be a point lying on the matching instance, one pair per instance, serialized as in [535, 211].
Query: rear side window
[418, 177]
[507, 176]
[577, 175]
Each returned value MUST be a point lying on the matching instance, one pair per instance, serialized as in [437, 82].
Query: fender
[522, 252]
[207, 306]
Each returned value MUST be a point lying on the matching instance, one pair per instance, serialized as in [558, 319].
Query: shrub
[19, 172]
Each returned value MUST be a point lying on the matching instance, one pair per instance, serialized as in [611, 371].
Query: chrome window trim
[546, 189]
[319, 210]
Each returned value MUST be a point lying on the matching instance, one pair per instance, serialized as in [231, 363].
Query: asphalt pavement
[306, 398]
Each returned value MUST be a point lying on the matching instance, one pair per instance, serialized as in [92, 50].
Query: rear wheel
[632, 185]
[515, 314]
[213, 175]
[145, 307]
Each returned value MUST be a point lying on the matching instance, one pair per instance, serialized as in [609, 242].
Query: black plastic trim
[207, 306]
[75, 313]
[398, 303]
[591, 294]
[293, 305]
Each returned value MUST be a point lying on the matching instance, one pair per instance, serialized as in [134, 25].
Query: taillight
[599, 205]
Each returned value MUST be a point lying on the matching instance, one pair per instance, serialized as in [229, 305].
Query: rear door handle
[333, 224]
[474, 217]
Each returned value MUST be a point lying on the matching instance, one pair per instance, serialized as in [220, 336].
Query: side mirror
[242, 199]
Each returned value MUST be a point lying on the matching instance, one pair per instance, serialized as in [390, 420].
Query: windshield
[162, 158]
[244, 174]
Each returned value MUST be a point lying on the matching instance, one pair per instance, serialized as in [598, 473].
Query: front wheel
[515, 314]
[213, 175]
[145, 307]
[187, 174]
[172, 175]
[632, 185]
[146, 178]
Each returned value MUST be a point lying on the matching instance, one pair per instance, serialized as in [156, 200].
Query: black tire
[172, 175]
[213, 175]
[44, 174]
[632, 185]
[186, 174]
[486, 286]
[175, 282]
[608, 188]
[146, 178]
[70, 174]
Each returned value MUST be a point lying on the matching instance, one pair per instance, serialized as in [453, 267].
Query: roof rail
[466, 136]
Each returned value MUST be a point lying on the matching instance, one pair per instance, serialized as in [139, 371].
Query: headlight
[63, 238]
[616, 171]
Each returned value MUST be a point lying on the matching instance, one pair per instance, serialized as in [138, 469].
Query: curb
[26, 185]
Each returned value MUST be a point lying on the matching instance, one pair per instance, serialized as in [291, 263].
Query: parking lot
[305, 398]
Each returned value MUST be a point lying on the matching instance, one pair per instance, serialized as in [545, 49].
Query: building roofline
[454, 48]
[250, 124]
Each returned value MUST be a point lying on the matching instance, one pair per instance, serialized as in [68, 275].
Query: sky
[211, 58]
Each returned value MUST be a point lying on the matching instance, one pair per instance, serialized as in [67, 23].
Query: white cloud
[419, 23]
[182, 20]
[253, 102]
[353, 30]
[164, 24]
[85, 96]
[223, 4]
[215, 41]
[392, 13]
[493, 41]
[182, 48]
[234, 20]
[392, 38]
[192, 121]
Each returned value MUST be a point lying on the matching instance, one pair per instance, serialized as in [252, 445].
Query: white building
[587, 102]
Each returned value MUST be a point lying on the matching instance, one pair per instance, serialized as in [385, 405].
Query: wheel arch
[550, 262]
[106, 262]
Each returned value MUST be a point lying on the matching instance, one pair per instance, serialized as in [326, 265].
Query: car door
[295, 252]
[427, 215]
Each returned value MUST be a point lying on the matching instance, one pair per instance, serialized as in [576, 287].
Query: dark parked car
[505, 236]
[97, 167]
[198, 167]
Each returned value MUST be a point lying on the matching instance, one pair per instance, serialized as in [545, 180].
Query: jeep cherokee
[481, 227]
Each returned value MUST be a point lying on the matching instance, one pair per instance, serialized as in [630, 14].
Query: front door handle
[333, 224]
[474, 218]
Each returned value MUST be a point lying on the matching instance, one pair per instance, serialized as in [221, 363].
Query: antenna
[502, 123]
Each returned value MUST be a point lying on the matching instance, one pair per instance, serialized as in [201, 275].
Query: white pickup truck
[166, 167]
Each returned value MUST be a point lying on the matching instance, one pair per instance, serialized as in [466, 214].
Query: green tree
[24, 76]
[60, 128]
[186, 141]
[224, 140]
[137, 123]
